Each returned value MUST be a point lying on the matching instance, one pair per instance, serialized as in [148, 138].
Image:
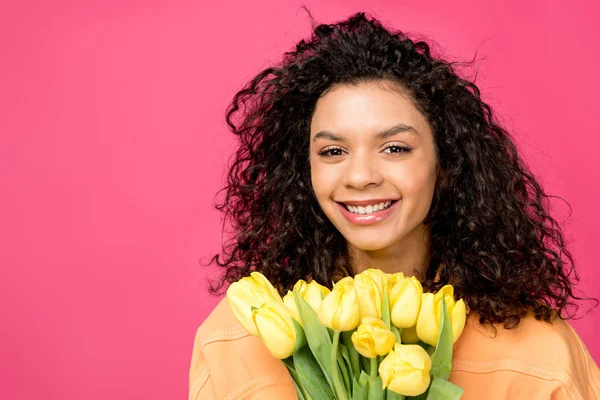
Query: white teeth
[368, 209]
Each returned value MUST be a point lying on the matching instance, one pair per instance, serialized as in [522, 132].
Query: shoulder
[229, 363]
[536, 358]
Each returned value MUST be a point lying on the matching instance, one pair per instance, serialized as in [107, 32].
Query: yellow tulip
[314, 294]
[394, 278]
[290, 303]
[405, 301]
[409, 335]
[248, 292]
[300, 287]
[370, 295]
[381, 278]
[428, 323]
[373, 338]
[276, 329]
[339, 309]
[405, 370]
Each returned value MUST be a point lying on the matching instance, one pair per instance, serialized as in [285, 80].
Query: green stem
[373, 370]
[339, 388]
[397, 332]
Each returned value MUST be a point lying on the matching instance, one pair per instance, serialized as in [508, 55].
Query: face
[370, 145]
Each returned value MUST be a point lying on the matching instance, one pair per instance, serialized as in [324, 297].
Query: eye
[399, 149]
[327, 153]
[332, 152]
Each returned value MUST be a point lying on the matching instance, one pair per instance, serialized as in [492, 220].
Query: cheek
[319, 181]
[418, 180]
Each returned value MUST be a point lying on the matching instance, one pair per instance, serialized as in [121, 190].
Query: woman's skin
[360, 166]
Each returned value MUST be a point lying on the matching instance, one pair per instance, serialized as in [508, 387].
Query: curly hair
[492, 236]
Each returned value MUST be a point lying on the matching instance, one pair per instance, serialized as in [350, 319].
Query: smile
[371, 214]
[368, 209]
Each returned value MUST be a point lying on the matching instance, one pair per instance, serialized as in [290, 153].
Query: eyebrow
[381, 135]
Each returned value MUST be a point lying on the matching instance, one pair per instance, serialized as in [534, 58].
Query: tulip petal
[459, 319]
[241, 303]
[275, 329]
[411, 384]
[406, 302]
[369, 295]
[409, 335]
[405, 370]
[339, 309]
[314, 294]
[290, 303]
[427, 323]
[264, 283]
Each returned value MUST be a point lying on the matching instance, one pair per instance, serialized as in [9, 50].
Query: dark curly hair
[492, 236]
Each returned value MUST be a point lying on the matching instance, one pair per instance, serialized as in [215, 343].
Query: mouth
[368, 209]
[369, 215]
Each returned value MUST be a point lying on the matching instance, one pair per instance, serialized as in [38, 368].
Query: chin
[368, 244]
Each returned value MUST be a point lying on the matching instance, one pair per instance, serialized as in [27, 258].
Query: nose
[361, 171]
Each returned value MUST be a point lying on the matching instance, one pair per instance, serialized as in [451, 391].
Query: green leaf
[318, 338]
[428, 348]
[360, 388]
[310, 375]
[441, 389]
[385, 307]
[422, 396]
[365, 363]
[300, 391]
[352, 353]
[346, 376]
[391, 395]
[345, 354]
[376, 391]
[300, 336]
[441, 360]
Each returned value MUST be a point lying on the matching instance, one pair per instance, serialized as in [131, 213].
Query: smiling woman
[361, 150]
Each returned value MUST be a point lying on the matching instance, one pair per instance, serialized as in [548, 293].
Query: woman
[360, 150]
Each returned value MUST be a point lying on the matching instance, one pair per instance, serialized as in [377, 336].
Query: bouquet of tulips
[373, 336]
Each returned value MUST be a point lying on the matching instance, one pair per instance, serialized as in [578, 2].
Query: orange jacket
[535, 361]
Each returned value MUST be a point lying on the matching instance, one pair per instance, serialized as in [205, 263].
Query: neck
[410, 256]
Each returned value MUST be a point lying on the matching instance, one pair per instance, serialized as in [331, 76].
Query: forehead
[365, 107]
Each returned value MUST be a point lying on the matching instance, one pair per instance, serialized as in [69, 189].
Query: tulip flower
[276, 329]
[405, 370]
[409, 335]
[314, 294]
[381, 278]
[290, 303]
[405, 301]
[339, 309]
[373, 338]
[251, 291]
[370, 286]
[428, 323]
[369, 296]
[395, 277]
[300, 287]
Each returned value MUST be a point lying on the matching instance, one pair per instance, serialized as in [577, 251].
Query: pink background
[114, 144]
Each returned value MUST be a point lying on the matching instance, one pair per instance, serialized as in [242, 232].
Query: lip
[368, 219]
